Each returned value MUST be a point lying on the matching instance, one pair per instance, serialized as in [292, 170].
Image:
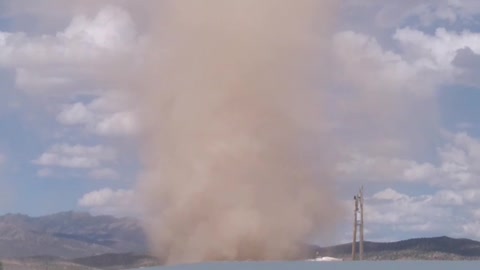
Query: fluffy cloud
[105, 116]
[472, 229]
[112, 29]
[436, 51]
[354, 50]
[449, 206]
[389, 195]
[85, 39]
[383, 99]
[53, 62]
[458, 166]
[392, 59]
[387, 14]
[108, 201]
[460, 161]
[397, 210]
[448, 197]
[388, 93]
[385, 169]
[76, 156]
[425, 61]
[443, 212]
[75, 114]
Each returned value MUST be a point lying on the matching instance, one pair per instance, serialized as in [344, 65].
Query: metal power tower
[358, 224]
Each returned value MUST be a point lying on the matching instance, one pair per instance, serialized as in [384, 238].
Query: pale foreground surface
[392, 265]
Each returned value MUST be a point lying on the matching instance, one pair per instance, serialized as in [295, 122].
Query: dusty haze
[234, 145]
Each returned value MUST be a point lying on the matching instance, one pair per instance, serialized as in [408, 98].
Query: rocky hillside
[437, 248]
[69, 235]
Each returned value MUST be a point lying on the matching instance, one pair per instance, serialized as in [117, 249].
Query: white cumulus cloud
[66, 59]
[109, 201]
[384, 169]
[107, 115]
[388, 14]
[451, 192]
[472, 229]
[75, 114]
[458, 166]
[76, 156]
[390, 194]
[390, 212]
[436, 51]
[84, 39]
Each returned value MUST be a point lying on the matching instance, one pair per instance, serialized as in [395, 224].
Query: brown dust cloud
[237, 157]
[234, 148]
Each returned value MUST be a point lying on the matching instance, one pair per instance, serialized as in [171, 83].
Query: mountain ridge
[102, 241]
[69, 235]
[423, 248]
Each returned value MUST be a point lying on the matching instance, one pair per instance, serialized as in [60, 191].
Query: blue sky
[411, 134]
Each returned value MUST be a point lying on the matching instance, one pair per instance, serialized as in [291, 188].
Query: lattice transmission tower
[358, 225]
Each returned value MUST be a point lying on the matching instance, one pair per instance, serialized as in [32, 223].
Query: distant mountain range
[110, 261]
[69, 235]
[81, 241]
[436, 248]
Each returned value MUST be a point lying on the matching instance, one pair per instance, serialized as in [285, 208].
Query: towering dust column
[234, 145]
